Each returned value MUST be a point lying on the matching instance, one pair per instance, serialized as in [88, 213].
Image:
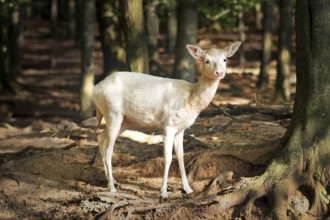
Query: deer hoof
[162, 199]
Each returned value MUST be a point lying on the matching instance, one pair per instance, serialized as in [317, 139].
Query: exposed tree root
[242, 194]
[286, 183]
[321, 200]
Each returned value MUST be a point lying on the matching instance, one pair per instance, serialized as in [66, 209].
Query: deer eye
[207, 61]
[224, 60]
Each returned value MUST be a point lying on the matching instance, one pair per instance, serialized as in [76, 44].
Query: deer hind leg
[106, 142]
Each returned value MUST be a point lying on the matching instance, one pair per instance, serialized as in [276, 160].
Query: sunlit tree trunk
[242, 38]
[258, 17]
[268, 21]
[185, 67]
[172, 29]
[136, 39]
[87, 69]
[282, 87]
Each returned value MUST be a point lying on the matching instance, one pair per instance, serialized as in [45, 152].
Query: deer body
[132, 100]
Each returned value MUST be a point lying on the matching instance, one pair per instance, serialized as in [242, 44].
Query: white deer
[131, 100]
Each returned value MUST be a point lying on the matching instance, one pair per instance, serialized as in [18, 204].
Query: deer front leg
[178, 147]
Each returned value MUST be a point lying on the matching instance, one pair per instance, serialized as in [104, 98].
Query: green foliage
[165, 7]
[11, 3]
[225, 11]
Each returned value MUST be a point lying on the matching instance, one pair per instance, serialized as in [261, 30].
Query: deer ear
[232, 48]
[195, 52]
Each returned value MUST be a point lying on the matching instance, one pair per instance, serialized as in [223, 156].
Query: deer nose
[220, 74]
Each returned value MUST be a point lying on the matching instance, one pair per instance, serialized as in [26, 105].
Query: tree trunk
[242, 38]
[266, 55]
[87, 69]
[16, 39]
[303, 164]
[172, 30]
[152, 25]
[282, 87]
[4, 57]
[71, 16]
[54, 17]
[185, 65]
[79, 23]
[136, 39]
[11, 39]
[114, 56]
[258, 16]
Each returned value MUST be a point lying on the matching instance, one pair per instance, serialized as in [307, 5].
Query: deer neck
[203, 92]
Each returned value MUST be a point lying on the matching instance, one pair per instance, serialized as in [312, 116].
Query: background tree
[172, 24]
[242, 38]
[185, 67]
[4, 57]
[111, 37]
[258, 15]
[266, 54]
[282, 87]
[72, 26]
[152, 26]
[16, 12]
[134, 32]
[11, 40]
[79, 22]
[54, 17]
[87, 69]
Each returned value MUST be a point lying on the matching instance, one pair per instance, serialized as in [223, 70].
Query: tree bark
[282, 86]
[71, 16]
[152, 25]
[4, 57]
[79, 23]
[16, 39]
[258, 16]
[310, 123]
[185, 66]
[266, 55]
[172, 30]
[114, 57]
[136, 39]
[11, 39]
[242, 38]
[87, 69]
[54, 17]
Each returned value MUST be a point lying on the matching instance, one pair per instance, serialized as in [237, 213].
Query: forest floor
[47, 151]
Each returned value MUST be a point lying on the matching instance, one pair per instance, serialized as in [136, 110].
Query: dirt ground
[47, 166]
